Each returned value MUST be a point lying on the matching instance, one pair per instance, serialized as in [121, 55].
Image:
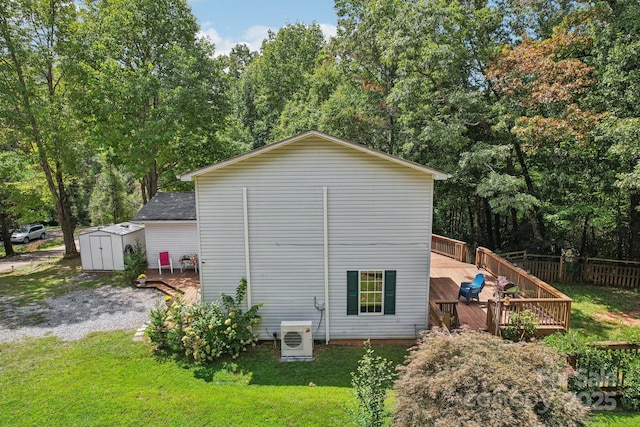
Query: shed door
[101, 252]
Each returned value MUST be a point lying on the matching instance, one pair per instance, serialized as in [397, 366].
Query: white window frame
[360, 292]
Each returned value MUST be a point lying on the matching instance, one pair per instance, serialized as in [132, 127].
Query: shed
[324, 230]
[170, 226]
[104, 248]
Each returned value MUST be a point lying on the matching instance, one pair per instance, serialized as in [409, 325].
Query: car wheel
[43, 236]
[26, 240]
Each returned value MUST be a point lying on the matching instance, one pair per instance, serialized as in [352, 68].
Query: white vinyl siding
[379, 218]
[177, 238]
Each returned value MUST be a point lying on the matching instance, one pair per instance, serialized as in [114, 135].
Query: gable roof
[314, 133]
[121, 229]
[168, 207]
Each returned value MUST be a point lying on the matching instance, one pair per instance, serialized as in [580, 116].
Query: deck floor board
[446, 276]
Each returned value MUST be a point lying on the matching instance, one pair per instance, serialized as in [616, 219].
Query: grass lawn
[38, 281]
[106, 379]
[604, 313]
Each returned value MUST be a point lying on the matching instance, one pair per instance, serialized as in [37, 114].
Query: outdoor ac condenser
[297, 339]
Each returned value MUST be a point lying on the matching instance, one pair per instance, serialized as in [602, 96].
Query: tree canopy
[530, 106]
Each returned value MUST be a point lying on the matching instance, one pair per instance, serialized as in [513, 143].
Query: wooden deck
[184, 285]
[446, 275]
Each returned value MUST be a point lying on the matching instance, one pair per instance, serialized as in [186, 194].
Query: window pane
[371, 287]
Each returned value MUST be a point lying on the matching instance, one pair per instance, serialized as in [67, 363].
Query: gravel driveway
[77, 313]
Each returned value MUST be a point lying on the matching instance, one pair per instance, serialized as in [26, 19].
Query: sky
[229, 22]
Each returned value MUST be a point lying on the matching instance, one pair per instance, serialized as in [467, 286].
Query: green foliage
[473, 378]
[597, 366]
[631, 393]
[113, 198]
[53, 382]
[35, 111]
[157, 95]
[205, 332]
[135, 263]
[523, 327]
[592, 363]
[370, 382]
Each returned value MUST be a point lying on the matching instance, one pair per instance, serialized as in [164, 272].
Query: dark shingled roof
[168, 207]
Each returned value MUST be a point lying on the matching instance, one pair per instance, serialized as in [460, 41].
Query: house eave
[437, 175]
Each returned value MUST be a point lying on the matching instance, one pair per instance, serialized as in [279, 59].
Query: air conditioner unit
[296, 339]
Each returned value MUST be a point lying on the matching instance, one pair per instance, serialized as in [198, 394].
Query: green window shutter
[352, 292]
[390, 292]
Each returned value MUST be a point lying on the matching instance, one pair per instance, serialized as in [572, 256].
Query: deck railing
[451, 248]
[551, 307]
[624, 274]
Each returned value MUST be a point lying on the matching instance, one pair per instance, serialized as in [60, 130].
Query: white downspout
[247, 260]
[326, 262]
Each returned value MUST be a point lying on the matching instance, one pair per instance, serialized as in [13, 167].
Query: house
[103, 248]
[323, 230]
[170, 225]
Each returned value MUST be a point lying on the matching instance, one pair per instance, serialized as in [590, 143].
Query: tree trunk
[150, 184]
[477, 226]
[497, 231]
[583, 244]
[5, 231]
[391, 142]
[535, 217]
[634, 227]
[63, 208]
[489, 225]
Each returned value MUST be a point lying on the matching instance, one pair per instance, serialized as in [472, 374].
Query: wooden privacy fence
[551, 307]
[451, 248]
[624, 274]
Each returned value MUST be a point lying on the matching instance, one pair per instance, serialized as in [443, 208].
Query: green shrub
[166, 326]
[370, 383]
[135, 262]
[473, 378]
[631, 393]
[523, 327]
[592, 364]
[205, 332]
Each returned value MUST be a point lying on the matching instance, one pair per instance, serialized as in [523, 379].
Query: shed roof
[303, 136]
[168, 207]
[121, 229]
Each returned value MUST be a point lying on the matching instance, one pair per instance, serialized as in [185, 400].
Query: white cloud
[252, 37]
[328, 30]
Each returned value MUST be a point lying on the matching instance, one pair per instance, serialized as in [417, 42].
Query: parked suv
[28, 232]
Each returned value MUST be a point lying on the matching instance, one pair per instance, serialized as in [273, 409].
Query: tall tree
[616, 35]
[112, 199]
[364, 27]
[35, 102]
[155, 93]
[286, 60]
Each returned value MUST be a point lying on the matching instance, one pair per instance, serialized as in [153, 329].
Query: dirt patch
[629, 319]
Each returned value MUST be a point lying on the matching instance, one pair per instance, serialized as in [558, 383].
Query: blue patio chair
[471, 290]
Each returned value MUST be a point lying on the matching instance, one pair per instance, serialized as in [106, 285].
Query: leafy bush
[592, 364]
[523, 326]
[631, 394]
[474, 379]
[596, 366]
[135, 262]
[205, 332]
[370, 383]
[166, 327]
